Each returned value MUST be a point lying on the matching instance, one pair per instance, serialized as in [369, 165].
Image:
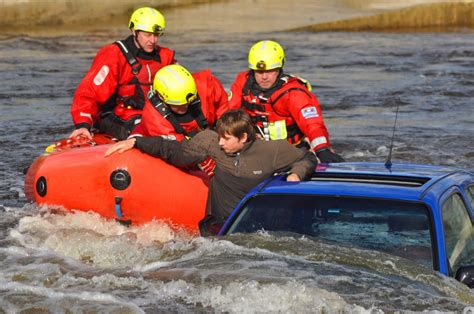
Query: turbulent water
[82, 263]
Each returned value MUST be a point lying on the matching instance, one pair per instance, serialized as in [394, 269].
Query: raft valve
[120, 179]
[41, 186]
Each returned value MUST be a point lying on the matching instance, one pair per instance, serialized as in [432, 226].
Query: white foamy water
[99, 257]
[82, 259]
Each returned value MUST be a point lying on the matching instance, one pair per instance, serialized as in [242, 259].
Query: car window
[470, 195]
[458, 233]
[398, 228]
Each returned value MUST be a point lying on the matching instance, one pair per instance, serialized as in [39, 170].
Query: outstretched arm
[179, 154]
[173, 152]
[304, 167]
[121, 147]
[300, 162]
[176, 153]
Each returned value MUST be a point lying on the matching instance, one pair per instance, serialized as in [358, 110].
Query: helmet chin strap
[135, 38]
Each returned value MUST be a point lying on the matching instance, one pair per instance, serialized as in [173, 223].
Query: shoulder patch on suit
[100, 77]
[309, 112]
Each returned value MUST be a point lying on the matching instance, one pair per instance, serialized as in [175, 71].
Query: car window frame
[431, 220]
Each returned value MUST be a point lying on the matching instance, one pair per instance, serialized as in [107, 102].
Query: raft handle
[118, 212]
[118, 209]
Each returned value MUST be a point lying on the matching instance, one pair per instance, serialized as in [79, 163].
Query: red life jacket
[261, 107]
[129, 99]
[157, 120]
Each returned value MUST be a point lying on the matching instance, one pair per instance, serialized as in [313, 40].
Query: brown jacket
[235, 174]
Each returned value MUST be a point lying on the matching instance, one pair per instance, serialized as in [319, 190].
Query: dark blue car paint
[439, 183]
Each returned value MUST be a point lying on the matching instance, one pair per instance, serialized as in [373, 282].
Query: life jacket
[129, 99]
[260, 105]
[188, 124]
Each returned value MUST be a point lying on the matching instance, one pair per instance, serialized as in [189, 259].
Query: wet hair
[236, 122]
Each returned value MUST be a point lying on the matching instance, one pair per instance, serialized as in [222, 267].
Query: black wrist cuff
[138, 138]
[83, 125]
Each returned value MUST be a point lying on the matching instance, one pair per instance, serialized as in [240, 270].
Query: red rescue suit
[286, 110]
[211, 103]
[117, 83]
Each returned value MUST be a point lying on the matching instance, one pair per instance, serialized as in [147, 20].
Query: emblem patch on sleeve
[100, 77]
[309, 112]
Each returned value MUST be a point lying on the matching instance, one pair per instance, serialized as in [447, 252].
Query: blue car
[419, 212]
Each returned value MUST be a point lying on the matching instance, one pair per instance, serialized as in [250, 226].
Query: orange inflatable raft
[131, 187]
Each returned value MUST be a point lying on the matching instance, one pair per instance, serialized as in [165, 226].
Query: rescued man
[242, 161]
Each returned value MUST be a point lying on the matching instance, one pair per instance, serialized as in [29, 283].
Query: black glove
[326, 155]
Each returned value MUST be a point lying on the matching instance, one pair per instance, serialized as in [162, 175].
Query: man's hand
[81, 132]
[121, 146]
[293, 177]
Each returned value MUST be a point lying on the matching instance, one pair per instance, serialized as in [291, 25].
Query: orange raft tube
[131, 187]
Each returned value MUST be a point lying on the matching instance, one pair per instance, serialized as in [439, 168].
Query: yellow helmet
[148, 20]
[175, 85]
[266, 55]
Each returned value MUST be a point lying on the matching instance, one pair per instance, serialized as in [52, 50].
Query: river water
[81, 263]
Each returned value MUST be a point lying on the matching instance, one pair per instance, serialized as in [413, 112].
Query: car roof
[404, 181]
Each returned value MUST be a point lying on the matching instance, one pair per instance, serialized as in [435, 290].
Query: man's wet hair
[235, 122]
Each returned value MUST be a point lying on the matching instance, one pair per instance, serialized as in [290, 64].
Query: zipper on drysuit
[150, 77]
[237, 163]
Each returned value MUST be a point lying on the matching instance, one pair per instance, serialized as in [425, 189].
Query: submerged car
[419, 212]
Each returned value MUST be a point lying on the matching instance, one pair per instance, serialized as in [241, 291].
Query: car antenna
[388, 162]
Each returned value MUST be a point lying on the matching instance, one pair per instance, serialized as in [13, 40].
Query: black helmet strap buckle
[195, 108]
